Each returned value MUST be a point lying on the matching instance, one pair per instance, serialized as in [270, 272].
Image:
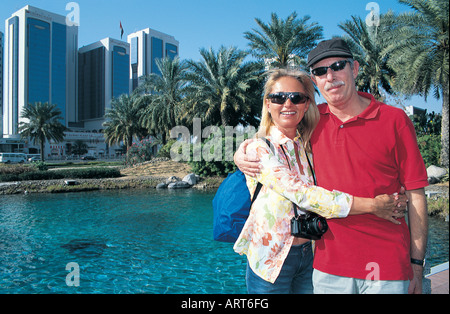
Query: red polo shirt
[373, 153]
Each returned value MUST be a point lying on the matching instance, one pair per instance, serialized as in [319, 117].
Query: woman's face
[287, 116]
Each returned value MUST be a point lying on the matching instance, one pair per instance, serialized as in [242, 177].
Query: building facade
[103, 74]
[1, 84]
[146, 46]
[40, 65]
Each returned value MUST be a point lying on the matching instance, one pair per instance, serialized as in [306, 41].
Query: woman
[277, 261]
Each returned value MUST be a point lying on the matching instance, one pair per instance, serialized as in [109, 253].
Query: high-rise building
[103, 74]
[1, 84]
[146, 46]
[40, 65]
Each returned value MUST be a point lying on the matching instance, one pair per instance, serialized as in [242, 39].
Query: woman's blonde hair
[311, 117]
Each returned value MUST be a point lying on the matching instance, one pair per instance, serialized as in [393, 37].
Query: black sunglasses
[337, 66]
[281, 98]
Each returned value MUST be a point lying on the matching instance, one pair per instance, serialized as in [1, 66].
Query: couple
[364, 152]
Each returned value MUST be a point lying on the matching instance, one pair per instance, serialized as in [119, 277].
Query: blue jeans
[295, 275]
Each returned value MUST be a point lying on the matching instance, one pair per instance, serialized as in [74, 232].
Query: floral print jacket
[266, 238]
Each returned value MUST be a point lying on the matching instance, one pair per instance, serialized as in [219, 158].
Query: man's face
[337, 87]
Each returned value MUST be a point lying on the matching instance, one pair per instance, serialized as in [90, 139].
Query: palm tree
[162, 108]
[43, 124]
[284, 41]
[122, 120]
[79, 147]
[223, 89]
[367, 43]
[419, 53]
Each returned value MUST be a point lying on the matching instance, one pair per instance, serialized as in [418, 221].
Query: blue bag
[231, 206]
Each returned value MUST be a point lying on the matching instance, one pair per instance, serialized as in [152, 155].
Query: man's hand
[415, 286]
[248, 165]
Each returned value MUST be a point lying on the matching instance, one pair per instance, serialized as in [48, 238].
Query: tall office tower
[103, 74]
[146, 46]
[40, 64]
[1, 84]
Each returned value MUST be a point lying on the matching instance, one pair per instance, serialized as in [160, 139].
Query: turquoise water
[123, 241]
[130, 241]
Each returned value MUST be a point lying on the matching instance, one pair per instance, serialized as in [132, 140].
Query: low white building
[95, 142]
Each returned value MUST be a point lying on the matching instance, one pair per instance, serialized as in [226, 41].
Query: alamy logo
[218, 145]
[73, 277]
[73, 17]
[373, 18]
[374, 274]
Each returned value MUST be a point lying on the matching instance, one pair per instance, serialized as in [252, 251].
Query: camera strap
[259, 185]
[312, 171]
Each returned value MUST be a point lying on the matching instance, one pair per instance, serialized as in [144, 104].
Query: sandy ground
[163, 169]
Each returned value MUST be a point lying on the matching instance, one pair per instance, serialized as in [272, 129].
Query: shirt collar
[280, 138]
[369, 113]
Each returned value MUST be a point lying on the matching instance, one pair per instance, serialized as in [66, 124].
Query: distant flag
[121, 30]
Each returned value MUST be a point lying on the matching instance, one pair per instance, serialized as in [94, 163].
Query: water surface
[131, 241]
[123, 241]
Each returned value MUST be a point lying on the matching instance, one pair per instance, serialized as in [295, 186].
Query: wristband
[419, 262]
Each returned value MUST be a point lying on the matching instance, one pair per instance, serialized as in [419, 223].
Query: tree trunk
[129, 142]
[444, 126]
[42, 149]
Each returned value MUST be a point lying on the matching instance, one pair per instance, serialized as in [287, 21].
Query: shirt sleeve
[412, 171]
[277, 176]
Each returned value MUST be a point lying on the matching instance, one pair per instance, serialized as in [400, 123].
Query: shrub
[428, 130]
[430, 148]
[91, 173]
[40, 165]
[165, 150]
[216, 167]
[14, 169]
[212, 168]
[438, 206]
[41, 175]
[140, 152]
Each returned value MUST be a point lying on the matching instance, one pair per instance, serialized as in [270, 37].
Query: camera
[309, 226]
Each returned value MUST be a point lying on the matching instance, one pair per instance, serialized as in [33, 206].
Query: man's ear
[355, 69]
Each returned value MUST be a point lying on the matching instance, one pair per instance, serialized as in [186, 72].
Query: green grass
[438, 206]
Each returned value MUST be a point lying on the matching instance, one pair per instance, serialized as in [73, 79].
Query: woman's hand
[390, 207]
[247, 164]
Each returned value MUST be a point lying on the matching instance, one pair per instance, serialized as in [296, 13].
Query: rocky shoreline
[434, 192]
[64, 185]
[79, 185]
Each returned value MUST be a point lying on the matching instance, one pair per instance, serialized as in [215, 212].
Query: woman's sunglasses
[281, 98]
[337, 66]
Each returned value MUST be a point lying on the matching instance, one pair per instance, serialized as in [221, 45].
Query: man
[365, 148]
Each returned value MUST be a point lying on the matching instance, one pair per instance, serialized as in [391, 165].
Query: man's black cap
[335, 47]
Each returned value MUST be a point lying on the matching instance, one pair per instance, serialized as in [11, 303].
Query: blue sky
[204, 23]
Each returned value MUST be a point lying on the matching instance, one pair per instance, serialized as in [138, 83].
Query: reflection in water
[86, 247]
